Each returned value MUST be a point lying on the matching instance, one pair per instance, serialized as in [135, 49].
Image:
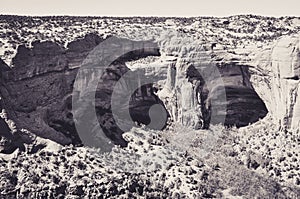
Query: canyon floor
[217, 163]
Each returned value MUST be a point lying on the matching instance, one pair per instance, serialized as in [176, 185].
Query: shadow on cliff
[37, 91]
[243, 105]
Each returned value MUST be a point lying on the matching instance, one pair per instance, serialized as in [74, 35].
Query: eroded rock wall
[275, 77]
[199, 91]
[195, 88]
[38, 91]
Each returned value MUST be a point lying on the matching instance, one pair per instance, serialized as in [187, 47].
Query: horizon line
[145, 16]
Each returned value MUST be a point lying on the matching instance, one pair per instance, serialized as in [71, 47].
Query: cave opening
[243, 104]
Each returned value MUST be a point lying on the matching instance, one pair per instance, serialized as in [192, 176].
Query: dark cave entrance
[243, 104]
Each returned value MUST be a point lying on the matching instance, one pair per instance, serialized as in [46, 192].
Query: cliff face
[37, 91]
[276, 75]
[193, 86]
[8, 141]
[199, 91]
[269, 83]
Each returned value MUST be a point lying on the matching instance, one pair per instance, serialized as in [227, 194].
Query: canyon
[195, 89]
[199, 107]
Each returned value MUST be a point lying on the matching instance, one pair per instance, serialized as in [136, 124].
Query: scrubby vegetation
[153, 165]
[231, 32]
[257, 161]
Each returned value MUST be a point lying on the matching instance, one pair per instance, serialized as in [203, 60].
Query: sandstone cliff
[37, 91]
[194, 86]
[198, 90]
[275, 76]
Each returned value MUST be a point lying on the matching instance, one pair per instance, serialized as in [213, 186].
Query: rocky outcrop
[275, 77]
[8, 143]
[98, 78]
[35, 87]
[31, 62]
[199, 91]
[79, 49]
[38, 90]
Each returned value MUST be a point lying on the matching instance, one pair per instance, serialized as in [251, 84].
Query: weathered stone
[275, 77]
[37, 91]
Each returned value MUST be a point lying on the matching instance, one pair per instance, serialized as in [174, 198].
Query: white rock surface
[276, 79]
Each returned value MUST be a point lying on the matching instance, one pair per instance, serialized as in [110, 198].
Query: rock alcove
[37, 92]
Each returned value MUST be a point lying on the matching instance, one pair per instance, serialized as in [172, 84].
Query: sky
[182, 8]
